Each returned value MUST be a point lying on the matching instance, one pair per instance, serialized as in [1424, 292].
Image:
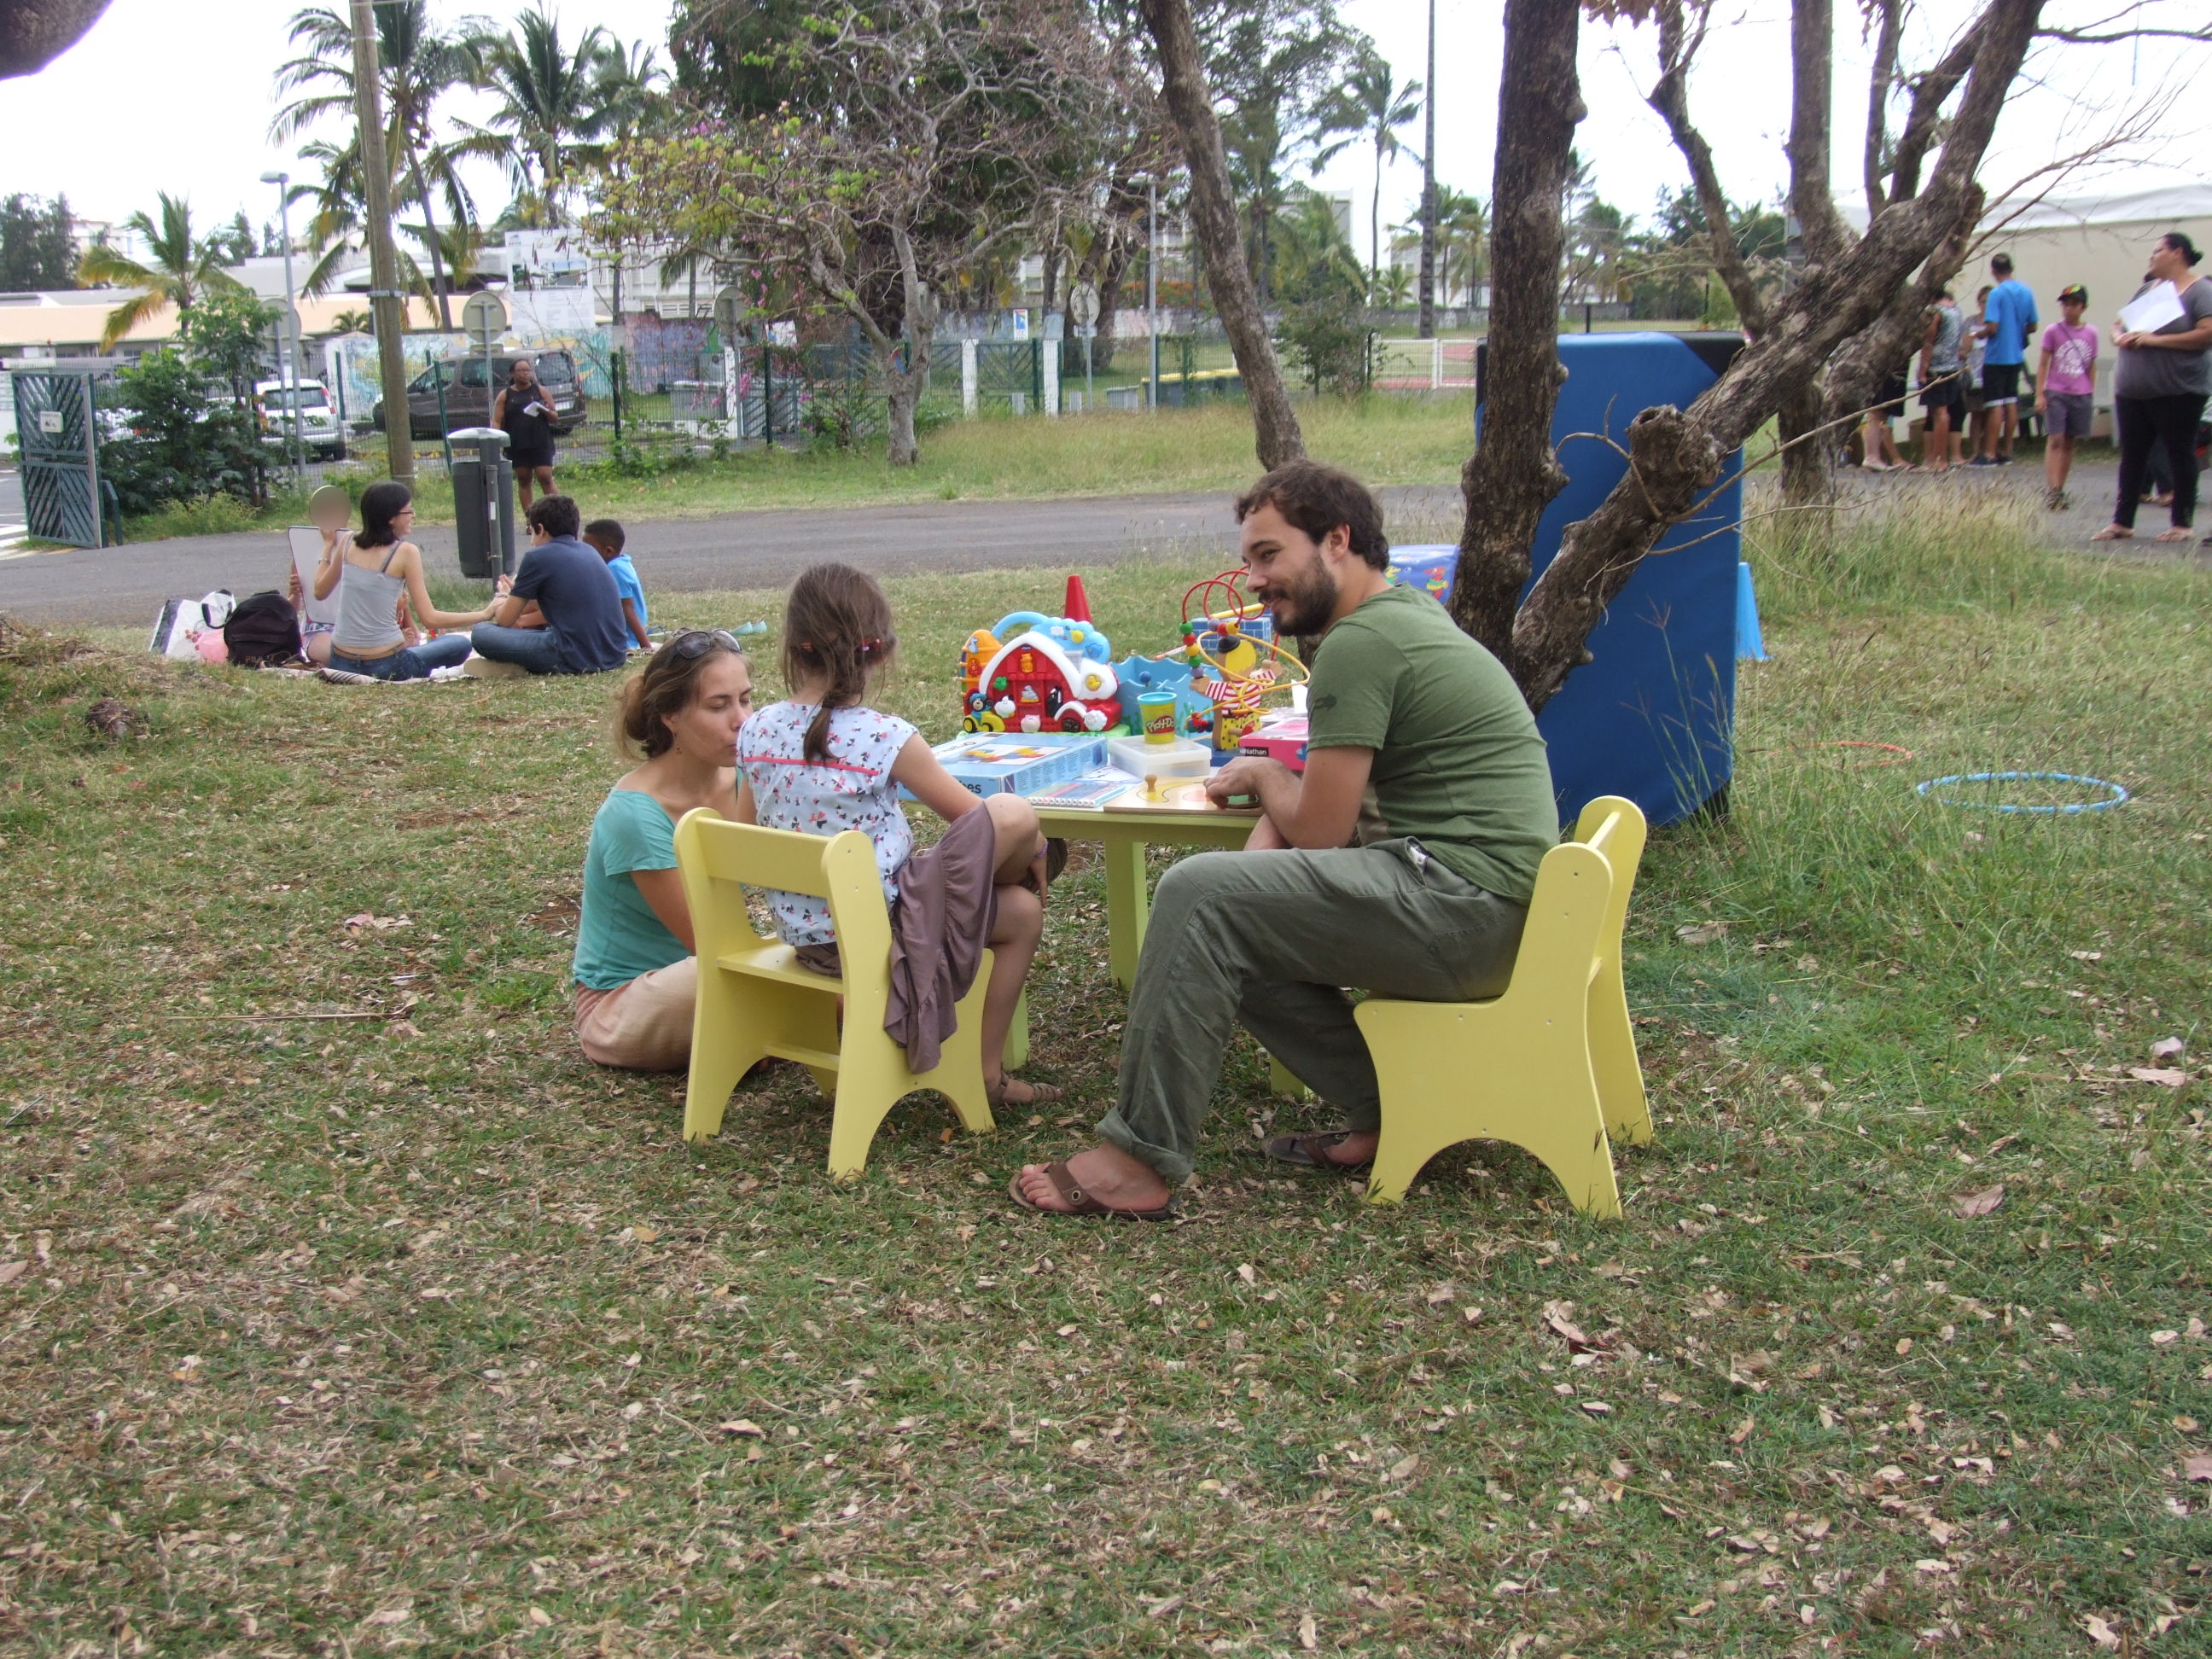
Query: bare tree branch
[1881, 81]
[1680, 34]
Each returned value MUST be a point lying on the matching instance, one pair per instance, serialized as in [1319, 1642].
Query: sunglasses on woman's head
[700, 641]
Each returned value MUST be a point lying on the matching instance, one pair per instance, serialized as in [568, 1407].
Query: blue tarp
[1652, 715]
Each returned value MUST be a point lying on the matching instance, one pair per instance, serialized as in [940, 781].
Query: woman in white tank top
[377, 573]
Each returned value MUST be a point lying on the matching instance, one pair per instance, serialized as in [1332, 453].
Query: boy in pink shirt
[2065, 391]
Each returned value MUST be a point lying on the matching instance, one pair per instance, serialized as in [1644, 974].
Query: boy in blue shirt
[604, 537]
[2008, 323]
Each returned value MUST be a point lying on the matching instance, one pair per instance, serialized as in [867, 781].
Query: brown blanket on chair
[948, 904]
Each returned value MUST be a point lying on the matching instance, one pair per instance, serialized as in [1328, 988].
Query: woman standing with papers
[2160, 383]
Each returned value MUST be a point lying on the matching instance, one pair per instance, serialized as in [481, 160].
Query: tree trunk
[1513, 474]
[1213, 216]
[1111, 272]
[902, 394]
[438, 287]
[1839, 299]
[1809, 461]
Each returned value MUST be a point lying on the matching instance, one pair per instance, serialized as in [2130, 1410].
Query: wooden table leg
[1129, 901]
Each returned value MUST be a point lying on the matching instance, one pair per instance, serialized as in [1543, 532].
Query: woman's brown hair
[666, 686]
[837, 630]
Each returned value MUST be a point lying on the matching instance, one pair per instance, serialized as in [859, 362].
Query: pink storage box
[1283, 739]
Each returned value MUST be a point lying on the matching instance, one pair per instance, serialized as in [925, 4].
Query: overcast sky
[164, 96]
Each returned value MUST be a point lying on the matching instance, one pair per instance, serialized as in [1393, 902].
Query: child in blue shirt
[605, 537]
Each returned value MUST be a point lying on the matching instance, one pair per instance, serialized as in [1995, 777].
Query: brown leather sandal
[1080, 1203]
[1311, 1151]
[1040, 1093]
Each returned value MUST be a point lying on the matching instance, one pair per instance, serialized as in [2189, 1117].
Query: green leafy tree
[193, 430]
[554, 102]
[35, 245]
[420, 67]
[182, 268]
[1371, 105]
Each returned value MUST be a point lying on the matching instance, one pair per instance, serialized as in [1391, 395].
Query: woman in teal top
[637, 977]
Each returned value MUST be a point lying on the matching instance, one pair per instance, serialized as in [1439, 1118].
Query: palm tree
[1253, 136]
[421, 65]
[1373, 106]
[553, 101]
[184, 267]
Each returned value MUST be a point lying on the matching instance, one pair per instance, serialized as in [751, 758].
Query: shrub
[1330, 343]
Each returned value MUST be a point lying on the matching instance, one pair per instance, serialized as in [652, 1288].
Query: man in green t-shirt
[1423, 896]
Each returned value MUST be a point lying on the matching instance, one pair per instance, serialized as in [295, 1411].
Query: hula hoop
[2118, 796]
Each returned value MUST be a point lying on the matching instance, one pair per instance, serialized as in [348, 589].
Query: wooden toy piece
[1152, 789]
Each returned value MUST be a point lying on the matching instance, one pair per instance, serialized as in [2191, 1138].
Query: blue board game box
[1018, 763]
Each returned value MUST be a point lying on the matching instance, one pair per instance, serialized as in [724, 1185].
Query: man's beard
[1304, 605]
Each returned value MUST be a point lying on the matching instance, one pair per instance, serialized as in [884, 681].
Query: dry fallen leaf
[1740, 1432]
[2101, 1632]
[12, 1271]
[1597, 1408]
[1404, 1467]
[645, 1235]
[2197, 1466]
[2164, 1076]
[2167, 1048]
[2164, 1338]
[539, 1616]
[1970, 1205]
[2087, 956]
[1161, 1609]
[745, 1425]
[399, 1615]
[1247, 1272]
[1703, 933]
[1308, 1633]
[1557, 1316]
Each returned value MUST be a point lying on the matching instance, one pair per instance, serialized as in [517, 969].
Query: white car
[320, 435]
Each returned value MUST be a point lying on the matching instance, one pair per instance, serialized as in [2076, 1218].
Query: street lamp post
[289, 334]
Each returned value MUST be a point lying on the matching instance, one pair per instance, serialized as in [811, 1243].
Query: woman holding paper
[2160, 383]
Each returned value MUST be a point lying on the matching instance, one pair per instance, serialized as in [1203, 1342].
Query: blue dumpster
[1652, 715]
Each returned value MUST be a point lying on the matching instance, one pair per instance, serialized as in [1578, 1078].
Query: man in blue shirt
[2008, 323]
[563, 615]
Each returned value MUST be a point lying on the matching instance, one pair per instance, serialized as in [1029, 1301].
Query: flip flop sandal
[1040, 1093]
[1080, 1203]
[1307, 1152]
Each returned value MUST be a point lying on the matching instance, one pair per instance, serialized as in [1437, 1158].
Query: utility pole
[1153, 285]
[1428, 329]
[386, 303]
[289, 333]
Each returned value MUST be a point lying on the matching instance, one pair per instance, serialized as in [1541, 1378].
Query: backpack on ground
[264, 631]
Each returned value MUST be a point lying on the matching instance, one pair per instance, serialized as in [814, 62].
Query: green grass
[1386, 440]
[359, 1313]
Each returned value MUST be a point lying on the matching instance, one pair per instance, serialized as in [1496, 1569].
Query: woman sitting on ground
[636, 971]
[371, 572]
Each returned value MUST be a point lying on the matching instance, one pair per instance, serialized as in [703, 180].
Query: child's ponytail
[837, 633]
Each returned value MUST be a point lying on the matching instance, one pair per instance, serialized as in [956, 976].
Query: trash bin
[1652, 714]
[484, 502]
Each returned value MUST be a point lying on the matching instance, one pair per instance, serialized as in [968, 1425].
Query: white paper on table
[2151, 310]
[307, 554]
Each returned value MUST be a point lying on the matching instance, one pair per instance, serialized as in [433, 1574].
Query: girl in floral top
[822, 762]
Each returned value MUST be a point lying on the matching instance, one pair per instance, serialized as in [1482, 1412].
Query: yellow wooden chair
[754, 1000]
[1549, 1065]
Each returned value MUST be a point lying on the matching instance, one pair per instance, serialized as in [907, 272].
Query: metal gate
[59, 430]
[1011, 372]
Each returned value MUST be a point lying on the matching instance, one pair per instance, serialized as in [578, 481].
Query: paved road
[126, 585]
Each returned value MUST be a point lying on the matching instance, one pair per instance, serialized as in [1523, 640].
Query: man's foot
[1103, 1181]
[2114, 532]
[1341, 1150]
[1984, 461]
[2179, 533]
[2055, 498]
